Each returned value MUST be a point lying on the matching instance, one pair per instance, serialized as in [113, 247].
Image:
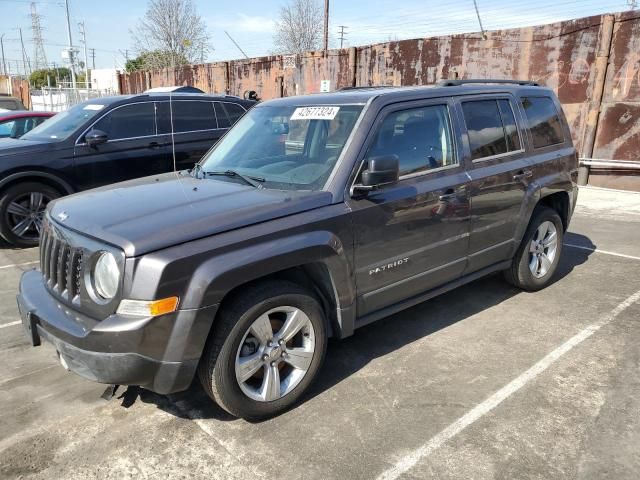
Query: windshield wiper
[249, 180]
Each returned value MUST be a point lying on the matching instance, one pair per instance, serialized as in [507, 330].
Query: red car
[14, 124]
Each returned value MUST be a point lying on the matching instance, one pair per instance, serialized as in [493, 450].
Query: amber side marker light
[151, 308]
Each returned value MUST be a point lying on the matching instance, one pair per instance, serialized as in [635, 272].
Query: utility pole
[39, 55]
[93, 58]
[83, 40]
[25, 60]
[71, 59]
[4, 65]
[236, 44]
[475, 4]
[342, 34]
[326, 27]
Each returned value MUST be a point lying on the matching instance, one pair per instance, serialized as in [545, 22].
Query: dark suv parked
[103, 141]
[314, 216]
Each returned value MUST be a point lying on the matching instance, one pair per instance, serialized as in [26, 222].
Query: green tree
[38, 78]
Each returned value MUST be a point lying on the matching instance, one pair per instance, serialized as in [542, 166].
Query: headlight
[106, 276]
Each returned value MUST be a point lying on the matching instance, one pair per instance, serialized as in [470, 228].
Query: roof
[160, 96]
[361, 95]
[176, 89]
[23, 113]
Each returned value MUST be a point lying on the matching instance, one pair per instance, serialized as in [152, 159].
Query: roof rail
[366, 87]
[455, 83]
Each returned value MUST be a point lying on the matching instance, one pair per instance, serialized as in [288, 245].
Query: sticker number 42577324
[315, 113]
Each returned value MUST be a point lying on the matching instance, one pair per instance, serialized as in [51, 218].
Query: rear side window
[129, 121]
[234, 112]
[420, 137]
[221, 114]
[193, 116]
[492, 128]
[544, 121]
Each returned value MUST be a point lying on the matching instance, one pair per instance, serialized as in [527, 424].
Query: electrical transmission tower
[39, 55]
[342, 34]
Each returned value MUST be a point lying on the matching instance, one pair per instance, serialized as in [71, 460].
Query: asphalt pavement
[484, 382]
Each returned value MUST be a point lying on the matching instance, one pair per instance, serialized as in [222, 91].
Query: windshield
[64, 124]
[290, 148]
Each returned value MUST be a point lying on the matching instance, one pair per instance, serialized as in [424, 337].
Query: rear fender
[560, 181]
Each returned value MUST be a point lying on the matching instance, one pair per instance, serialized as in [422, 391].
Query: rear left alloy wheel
[266, 350]
[537, 258]
[22, 208]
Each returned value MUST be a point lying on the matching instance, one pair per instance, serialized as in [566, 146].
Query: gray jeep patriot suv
[313, 216]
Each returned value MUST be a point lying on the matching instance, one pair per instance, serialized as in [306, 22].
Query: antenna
[173, 140]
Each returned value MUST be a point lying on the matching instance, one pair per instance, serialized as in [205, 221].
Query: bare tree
[171, 33]
[299, 28]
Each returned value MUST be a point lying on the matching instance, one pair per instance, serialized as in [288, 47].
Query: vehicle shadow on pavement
[344, 358]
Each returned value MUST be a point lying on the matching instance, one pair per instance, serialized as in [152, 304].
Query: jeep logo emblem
[62, 216]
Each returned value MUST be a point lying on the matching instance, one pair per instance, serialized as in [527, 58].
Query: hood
[151, 213]
[11, 146]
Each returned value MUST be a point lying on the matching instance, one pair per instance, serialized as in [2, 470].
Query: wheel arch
[47, 178]
[315, 260]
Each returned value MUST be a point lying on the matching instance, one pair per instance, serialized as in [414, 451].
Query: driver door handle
[523, 175]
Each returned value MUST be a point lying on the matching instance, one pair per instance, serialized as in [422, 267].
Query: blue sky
[251, 22]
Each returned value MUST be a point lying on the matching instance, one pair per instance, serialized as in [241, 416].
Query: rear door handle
[522, 175]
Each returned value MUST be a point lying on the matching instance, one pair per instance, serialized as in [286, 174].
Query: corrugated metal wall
[573, 58]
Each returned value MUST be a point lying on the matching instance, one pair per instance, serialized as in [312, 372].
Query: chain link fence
[58, 99]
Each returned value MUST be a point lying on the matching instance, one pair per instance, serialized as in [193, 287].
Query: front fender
[218, 275]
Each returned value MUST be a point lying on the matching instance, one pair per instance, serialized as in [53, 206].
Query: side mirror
[382, 170]
[95, 138]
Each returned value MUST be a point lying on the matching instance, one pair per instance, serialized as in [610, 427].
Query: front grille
[61, 264]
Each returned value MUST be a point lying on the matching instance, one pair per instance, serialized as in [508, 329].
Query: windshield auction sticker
[315, 113]
[93, 106]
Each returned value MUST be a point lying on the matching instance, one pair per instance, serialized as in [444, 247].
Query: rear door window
[544, 121]
[129, 121]
[491, 127]
[193, 116]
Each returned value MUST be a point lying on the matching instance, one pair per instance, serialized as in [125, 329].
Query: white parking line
[597, 250]
[19, 264]
[10, 324]
[408, 461]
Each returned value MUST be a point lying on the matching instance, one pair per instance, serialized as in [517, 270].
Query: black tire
[217, 365]
[520, 274]
[19, 194]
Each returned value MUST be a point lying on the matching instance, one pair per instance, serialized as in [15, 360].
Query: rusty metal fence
[592, 63]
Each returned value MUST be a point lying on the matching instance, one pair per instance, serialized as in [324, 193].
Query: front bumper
[158, 353]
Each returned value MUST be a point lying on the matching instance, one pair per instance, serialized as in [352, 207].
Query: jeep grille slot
[61, 265]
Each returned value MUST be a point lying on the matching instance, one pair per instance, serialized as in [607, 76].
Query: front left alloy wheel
[266, 349]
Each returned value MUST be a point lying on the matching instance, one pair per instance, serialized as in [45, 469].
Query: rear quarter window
[544, 121]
